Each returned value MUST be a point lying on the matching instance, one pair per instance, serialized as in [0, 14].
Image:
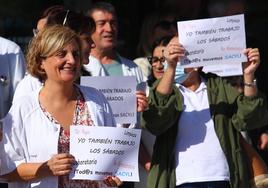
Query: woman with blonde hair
[80, 24]
[36, 129]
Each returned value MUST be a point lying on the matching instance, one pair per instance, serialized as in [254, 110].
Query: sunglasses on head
[65, 17]
[35, 31]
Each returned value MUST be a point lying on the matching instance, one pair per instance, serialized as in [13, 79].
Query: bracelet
[253, 84]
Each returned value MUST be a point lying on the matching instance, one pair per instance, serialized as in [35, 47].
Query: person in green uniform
[197, 122]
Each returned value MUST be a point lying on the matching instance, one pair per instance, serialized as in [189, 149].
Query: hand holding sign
[173, 52]
[142, 101]
[253, 56]
[112, 181]
[60, 164]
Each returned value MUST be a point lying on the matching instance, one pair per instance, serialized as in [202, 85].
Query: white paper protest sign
[213, 41]
[120, 92]
[103, 151]
[225, 70]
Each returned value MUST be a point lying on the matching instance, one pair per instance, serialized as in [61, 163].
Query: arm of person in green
[166, 101]
[230, 111]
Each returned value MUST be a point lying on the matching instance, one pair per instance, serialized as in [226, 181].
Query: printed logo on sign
[124, 174]
[232, 56]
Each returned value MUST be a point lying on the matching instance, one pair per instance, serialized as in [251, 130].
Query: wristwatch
[253, 84]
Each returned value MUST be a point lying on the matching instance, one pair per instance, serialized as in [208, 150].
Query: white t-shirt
[200, 157]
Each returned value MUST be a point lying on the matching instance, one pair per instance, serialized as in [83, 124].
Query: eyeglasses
[166, 25]
[153, 60]
[65, 18]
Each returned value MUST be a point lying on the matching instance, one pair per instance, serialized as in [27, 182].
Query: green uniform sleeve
[163, 111]
[251, 113]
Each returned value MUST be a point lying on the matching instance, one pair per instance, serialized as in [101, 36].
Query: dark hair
[151, 79]
[147, 32]
[103, 6]
[52, 10]
[161, 42]
[158, 42]
[75, 21]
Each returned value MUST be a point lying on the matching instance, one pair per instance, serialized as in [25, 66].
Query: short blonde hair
[48, 41]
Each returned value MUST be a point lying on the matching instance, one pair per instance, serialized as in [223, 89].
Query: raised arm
[250, 87]
[173, 52]
[252, 109]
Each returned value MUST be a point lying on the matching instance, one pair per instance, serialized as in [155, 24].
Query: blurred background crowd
[18, 18]
[141, 22]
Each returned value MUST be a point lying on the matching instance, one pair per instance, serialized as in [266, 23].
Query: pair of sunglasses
[35, 31]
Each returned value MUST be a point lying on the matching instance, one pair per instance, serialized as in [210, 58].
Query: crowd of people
[191, 121]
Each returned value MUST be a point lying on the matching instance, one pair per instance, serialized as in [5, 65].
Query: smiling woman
[80, 24]
[62, 51]
[54, 58]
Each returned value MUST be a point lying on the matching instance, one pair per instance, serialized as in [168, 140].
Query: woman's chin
[158, 75]
[68, 78]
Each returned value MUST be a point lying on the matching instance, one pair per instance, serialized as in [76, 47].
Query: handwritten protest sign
[213, 41]
[103, 151]
[224, 70]
[120, 93]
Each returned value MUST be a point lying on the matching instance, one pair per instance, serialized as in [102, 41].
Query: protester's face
[64, 65]
[105, 35]
[86, 43]
[157, 62]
